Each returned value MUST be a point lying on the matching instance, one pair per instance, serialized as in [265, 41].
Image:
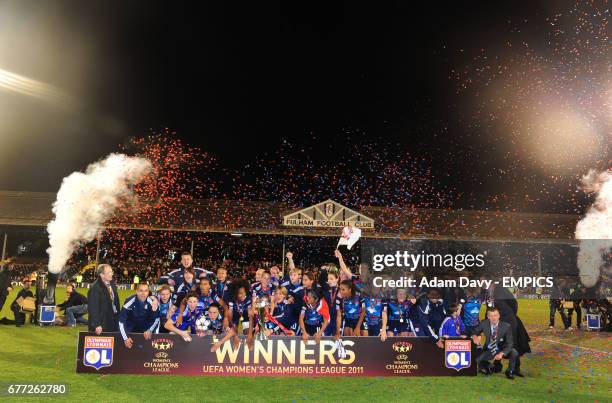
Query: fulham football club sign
[327, 214]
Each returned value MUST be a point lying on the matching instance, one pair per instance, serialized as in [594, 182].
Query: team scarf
[277, 323]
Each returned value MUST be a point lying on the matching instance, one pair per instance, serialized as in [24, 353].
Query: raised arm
[290, 263]
[343, 267]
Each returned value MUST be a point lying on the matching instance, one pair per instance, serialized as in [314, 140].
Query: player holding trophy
[262, 305]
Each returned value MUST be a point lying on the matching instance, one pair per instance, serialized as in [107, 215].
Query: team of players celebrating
[193, 301]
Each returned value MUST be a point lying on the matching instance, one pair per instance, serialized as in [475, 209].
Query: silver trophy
[261, 305]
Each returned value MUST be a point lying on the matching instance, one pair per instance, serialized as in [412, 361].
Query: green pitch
[565, 367]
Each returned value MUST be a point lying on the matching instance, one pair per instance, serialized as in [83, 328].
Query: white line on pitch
[571, 345]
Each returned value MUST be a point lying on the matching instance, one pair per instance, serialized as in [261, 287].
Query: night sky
[237, 80]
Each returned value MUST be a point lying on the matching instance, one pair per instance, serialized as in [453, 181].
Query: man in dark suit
[103, 302]
[502, 299]
[576, 295]
[5, 284]
[499, 344]
[557, 294]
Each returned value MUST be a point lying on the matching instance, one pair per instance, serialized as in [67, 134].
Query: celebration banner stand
[286, 356]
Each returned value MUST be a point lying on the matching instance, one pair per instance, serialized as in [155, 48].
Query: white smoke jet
[595, 229]
[87, 200]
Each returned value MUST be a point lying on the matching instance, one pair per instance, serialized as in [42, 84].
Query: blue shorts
[352, 323]
[373, 329]
[330, 330]
[397, 327]
[312, 329]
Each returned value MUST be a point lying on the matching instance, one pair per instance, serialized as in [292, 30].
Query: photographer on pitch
[75, 306]
[557, 295]
[24, 293]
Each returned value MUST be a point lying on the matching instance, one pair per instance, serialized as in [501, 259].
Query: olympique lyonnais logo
[457, 354]
[162, 344]
[98, 351]
[402, 347]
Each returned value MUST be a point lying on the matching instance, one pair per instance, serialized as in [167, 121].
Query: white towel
[340, 349]
[350, 236]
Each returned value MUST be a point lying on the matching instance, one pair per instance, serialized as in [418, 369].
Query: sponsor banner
[286, 356]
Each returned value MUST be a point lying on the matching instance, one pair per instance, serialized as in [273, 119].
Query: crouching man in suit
[499, 344]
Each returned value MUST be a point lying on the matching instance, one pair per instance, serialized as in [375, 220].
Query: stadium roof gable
[327, 214]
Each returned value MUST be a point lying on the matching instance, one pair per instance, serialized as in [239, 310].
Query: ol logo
[457, 354]
[98, 351]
